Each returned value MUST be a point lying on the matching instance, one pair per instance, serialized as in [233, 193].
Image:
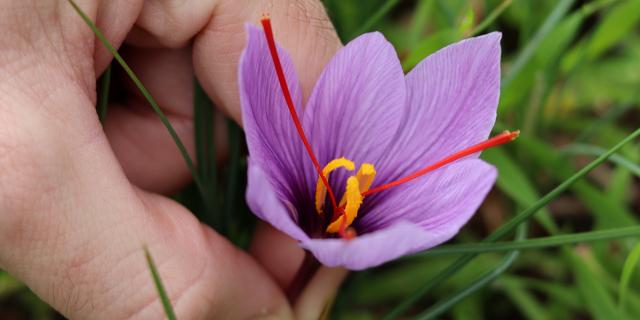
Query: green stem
[491, 17]
[444, 305]
[587, 149]
[553, 241]
[164, 298]
[105, 86]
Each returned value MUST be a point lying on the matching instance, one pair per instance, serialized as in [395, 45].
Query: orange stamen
[268, 32]
[500, 139]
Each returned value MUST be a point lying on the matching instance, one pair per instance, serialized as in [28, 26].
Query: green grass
[545, 98]
[570, 183]
[157, 281]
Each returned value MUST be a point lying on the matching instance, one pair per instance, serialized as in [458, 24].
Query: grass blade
[586, 149]
[233, 172]
[627, 271]
[105, 88]
[145, 93]
[514, 182]
[384, 9]
[166, 304]
[444, 305]
[203, 116]
[491, 17]
[595, 296]
[524, 299]
[8, 285]
[527, 53]
[419, 24]
[614, 27]
[609, 117]
[508, 227]
[544, 242]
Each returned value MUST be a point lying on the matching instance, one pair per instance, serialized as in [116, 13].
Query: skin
[78, 202]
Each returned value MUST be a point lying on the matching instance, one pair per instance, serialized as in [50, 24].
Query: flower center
[350, 203]
[358, 185]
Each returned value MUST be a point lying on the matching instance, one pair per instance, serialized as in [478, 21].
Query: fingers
[172, 23]
[115, 19]
[80, 249]
[302, 27]
[320, 292]
[145, 149]
[141, 143]
[71, 224]
[277, 252]
[73, 229]
[217, 29]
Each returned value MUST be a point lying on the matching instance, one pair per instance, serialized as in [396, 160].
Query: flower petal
[357, 103]
[452, 99]
[443, 200]
[412, 217]
[271, 136]
[370, 250]
[264, 202]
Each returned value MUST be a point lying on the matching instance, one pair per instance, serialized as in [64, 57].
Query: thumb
[301, 27]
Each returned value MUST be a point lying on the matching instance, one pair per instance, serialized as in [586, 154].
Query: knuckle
[173, 23]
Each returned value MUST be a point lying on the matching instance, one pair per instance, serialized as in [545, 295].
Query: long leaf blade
[164, 298]
[538, 243]
[145, 93]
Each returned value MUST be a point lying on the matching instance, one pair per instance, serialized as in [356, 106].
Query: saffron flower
[377, 165]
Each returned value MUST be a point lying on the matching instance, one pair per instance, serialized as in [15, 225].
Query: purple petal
[264, 202]
[443, 199]
[357, 103]
[273, 142]
[370, 250]
[411, 217]
[452, 98]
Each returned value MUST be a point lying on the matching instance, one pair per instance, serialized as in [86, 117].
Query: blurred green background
[571, 74]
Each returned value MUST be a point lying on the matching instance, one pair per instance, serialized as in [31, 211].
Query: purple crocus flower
[364, 112]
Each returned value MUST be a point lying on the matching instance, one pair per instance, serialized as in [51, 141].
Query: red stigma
[346, 233]
[268, 32]
[500, 139]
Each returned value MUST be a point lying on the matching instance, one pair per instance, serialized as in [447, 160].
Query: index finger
[217, 29]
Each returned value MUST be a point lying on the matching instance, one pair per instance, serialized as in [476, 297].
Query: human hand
[77, 202]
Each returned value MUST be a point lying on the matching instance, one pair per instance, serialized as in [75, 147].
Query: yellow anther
[365, 176]
[321, 190]
[354, 200]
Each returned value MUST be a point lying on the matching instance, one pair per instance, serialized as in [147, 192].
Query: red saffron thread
[505, 137]
[268, 32]
[500, 139]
